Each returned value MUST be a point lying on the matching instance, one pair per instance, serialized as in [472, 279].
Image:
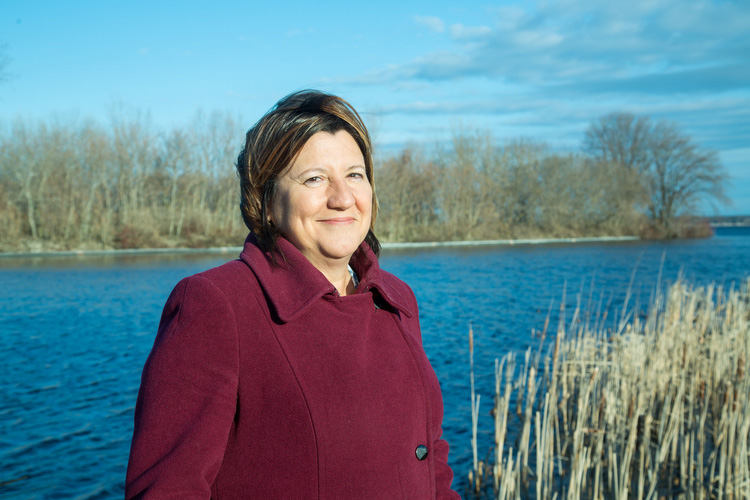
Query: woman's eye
[313, 180]
[356, 175]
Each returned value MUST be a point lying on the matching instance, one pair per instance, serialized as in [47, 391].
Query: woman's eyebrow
[309, 170]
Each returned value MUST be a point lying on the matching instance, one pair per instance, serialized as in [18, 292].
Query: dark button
[421, 452]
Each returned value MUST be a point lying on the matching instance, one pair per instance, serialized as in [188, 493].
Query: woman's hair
[273, 143]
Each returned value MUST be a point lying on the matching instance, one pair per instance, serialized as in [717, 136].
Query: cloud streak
[434, 24]
[571, 41]
[559, 65]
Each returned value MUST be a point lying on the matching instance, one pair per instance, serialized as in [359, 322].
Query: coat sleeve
[187, 399]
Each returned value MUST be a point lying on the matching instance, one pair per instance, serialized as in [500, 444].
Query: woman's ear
[269, 211]
[267, 207]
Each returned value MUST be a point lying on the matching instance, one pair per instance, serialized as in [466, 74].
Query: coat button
[421, 452]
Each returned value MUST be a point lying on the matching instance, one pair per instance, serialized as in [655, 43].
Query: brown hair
[273, 143]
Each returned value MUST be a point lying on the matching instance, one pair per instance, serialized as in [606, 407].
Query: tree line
[124, 184]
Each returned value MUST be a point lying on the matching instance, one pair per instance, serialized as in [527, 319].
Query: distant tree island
[86, 185]
[729, 221]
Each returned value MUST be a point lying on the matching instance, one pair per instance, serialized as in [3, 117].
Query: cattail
[740, 366]
[642, 415]
[471, 339]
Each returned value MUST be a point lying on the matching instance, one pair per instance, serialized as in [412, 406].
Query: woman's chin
[340, 250]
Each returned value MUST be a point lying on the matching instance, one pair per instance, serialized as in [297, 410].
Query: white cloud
[537, 39]
[460, 32]
[559, 42]
[508, 16]
[435, 24]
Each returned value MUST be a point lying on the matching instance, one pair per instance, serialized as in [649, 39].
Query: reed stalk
[477, 474]
[658, 409]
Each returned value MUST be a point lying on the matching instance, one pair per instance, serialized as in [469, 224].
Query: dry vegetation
[659, 408]
[479, 190]
[78, 185]
[83, 185]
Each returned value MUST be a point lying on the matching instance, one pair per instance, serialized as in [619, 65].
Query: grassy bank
[654, 407]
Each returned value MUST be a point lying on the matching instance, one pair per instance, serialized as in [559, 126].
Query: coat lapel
[294, 284]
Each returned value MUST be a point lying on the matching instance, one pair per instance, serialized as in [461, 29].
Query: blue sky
[416, 70]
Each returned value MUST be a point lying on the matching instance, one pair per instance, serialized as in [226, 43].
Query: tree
[680, 174]
[619, 138]
[674, 173]
[406, 187]
[522, 185]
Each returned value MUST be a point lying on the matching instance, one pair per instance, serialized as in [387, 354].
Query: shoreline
[520, 241]
[384, 246]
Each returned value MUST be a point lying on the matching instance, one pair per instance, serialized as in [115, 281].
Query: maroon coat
[264, 383]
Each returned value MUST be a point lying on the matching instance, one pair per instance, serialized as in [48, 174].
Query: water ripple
[76, 333]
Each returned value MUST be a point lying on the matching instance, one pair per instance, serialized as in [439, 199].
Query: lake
[75, 332]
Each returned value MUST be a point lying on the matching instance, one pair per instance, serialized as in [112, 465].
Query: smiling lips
[338, 220]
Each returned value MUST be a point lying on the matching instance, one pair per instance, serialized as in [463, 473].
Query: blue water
[74, 333]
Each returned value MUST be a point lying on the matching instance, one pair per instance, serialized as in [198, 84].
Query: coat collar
[294, 284]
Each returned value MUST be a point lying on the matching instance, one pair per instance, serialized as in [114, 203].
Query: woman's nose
[340, 195]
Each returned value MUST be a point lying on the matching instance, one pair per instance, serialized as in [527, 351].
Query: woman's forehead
[326, 150]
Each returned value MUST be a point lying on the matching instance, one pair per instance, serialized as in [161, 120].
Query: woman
[296, 371]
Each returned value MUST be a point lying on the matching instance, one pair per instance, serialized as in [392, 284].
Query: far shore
[385, 246]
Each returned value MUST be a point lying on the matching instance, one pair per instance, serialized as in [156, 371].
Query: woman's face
[323, 200]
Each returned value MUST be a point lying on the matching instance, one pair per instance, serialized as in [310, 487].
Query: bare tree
[134, 155]
[675, 174]
[71, 184]
[406, 189]
[680, 175]
[215, 144]
[607, 192]
[619, 138]
[522, 187]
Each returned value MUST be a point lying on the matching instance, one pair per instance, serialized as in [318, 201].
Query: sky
[417, 71]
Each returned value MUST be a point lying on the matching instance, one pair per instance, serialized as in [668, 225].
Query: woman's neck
[342, 281]
[337, 273]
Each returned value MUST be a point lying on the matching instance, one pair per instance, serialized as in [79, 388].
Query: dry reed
[657, 408]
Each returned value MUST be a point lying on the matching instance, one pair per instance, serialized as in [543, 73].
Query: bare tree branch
[675, 173]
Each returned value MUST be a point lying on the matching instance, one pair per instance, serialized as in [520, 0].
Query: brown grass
[659, 408]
